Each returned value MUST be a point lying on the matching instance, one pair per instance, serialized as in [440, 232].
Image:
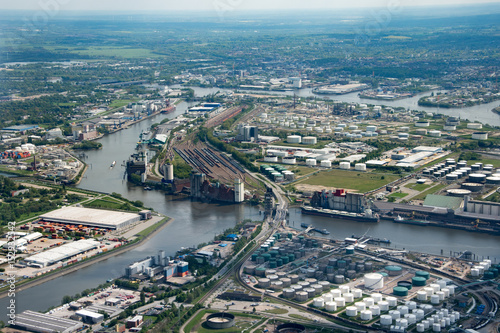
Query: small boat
[113, 164]
[147, 188]
[109, 280]
[305, 225]
[322, 231]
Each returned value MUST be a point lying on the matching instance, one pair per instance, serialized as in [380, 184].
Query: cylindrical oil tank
[301, 296]
[360, 267]
[318, 303]
[446, 292]
[384, 305]
[340, 301]
[325, 285]
[336, 293]
[368, 266]
[344, 289]
[286, 282]
[405, 284]
[375, 309]
[395, 314]
[351, 311]
[403, 309]
[352, 266]
[366, 315]
[328, 297]
[434, 299]
[331, 306]
[310, 272]
[421, 295]
[272, 277]
[249, 270]
[264, 283]
[350, 273]
[374, 281]
[341, 263]
[260, 271]
[273, 264]
[294, 278]
[385, 320]
[311, 292]
[393, 301]
[441, 295]
[349, 297]
[304, 284]
[376, 297]
[429, 291]
[400, 291]
[311, 280]
[360, 306]
[358, 293]
[288, 293]
[393, 270]
[360, 167]
[436, 287]
[332, 262]
[423, 274]
[277, 285]
[477, 178]
[318, 289]
[369, 301]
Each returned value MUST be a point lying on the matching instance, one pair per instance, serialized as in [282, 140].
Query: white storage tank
[393, 301]
[395, 314]
[441, 295]
[435, 133]
[358, 293]
[449, 128]
[345, 165]
[360, 167]
[369, 301]
[420, 327]
[318, 303]
[301, 296]
[331, 306]
[366, 315]
[385, 320]
[384, 305]
[434, 299]
[288, 293]
[311, 162]
[340, 301]
[349, 297]
[351, 311]
[436, 327]
[412, 319]
[360, 306]
[474, 126]
[294, 139]
[422, 295]
[375, 309]
[328, 297]
[326, 164]
[309, 140]
[371, 128]
[376, 297]
[435, 287]
[403, 309]
[374, 281]
[336, 293]
[289, 160]
[480, 135]
[271, 159]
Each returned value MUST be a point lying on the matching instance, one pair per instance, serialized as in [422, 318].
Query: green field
[432, 190]
[419, 187]
[277, 311]
[397, 195]
[109, 203]
[113, 51]
[119, 103]
[360, 181]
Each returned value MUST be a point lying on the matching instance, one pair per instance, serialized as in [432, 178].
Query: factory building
[239, 191]
[91, 217]
[204, 190]
[45, 323]
[155, 265]
[341, 200]
[65, 251]
[247, 133]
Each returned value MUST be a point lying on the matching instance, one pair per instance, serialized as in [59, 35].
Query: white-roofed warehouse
[62, 252]
[44, 323]
[91, 217]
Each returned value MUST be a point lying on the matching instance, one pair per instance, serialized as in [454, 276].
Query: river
[195, 223]
[481, 113]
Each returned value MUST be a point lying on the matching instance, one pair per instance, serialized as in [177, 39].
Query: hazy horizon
[227, 5]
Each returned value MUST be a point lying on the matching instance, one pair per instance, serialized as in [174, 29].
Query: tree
[143, 297]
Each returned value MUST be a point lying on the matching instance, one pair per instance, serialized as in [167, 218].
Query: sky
[219, 5]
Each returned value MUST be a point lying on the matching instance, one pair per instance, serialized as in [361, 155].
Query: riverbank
[100, 257]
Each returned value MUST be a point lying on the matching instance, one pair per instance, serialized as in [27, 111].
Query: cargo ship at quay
[367, 216]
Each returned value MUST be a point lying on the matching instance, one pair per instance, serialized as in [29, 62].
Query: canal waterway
[196, 222]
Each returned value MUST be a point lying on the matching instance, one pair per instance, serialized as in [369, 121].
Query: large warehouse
[62, 252]
[45, 323]
[91, 217]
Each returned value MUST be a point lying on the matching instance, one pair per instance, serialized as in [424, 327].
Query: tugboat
[322, 231]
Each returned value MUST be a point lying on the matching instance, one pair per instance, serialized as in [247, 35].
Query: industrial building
[62, 252]
[45, 323]
[90, 317]
[91, 217]
[205, 190]
[341, 200]
[247, 133]
[155, 265]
